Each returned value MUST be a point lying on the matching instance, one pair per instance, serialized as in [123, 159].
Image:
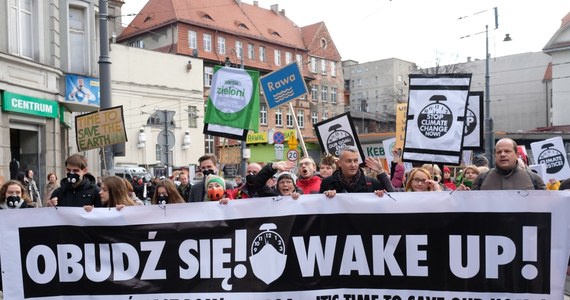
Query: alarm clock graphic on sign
[268, 256]
[551, 158]
[338, 139]
[435, 119]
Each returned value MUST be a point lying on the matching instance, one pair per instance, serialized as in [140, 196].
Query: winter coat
[310, 185]
[514, 179]
[365, 184]
[86, 193]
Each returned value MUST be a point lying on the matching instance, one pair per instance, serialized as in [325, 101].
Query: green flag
[234, 98]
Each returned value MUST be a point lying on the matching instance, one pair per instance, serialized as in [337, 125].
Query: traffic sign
[292, 142]
[278, 137]
[292, 155]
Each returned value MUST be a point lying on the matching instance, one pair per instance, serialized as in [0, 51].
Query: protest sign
[436, 118]
[100, 128]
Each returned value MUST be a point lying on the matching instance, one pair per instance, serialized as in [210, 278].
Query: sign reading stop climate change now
[101, 128]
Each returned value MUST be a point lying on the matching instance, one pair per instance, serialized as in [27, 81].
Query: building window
[299, 58]
[157, 152]
[263, 114]
[192, 117]
[21, 27]
[325, 115]
[333, 95]
[277, 55]
[289, 118]
[209, 144]
[221, 45]
[250, 51]
[301, 118]
[208, 74]
[207, 42]
[315, 92]
[239, 49]
[313, 65]
[323, 67]
[333, 68]
[324, 91]
[78, 40]
[314, 117]
[192, 39]
[137, 44]
[288, 57]
[262, 53]
[278, 117]
[359, 82]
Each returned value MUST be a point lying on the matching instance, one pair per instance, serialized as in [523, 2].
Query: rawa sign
[283, 85]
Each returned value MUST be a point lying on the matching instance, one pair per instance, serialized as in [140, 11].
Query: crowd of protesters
[342, 174]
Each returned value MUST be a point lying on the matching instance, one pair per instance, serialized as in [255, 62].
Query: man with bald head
[508, 174]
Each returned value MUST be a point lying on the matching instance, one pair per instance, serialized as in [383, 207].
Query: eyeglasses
[419, 181]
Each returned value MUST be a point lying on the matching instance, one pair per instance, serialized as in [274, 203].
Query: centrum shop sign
[29, 105]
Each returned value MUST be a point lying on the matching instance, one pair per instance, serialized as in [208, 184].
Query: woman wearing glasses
[420, 181]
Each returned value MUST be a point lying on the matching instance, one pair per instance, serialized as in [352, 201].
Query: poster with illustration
[435, 118]
[337, 133]
[551, 154]
[82, 89]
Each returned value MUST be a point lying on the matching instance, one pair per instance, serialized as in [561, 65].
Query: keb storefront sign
[29, 105]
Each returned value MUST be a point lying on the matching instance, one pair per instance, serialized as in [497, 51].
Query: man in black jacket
[349, 178]
[78, 188]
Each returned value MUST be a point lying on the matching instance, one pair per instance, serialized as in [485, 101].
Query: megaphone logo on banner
[551, 158]
[268, 256]
[435, 119]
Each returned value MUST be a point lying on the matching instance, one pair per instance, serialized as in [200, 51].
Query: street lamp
[489, 135]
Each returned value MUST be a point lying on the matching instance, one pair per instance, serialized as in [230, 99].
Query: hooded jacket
[86, 193]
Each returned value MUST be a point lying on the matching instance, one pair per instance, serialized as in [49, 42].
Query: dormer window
[323, 43]
[276, 34]
[205, 16]
[243, 26]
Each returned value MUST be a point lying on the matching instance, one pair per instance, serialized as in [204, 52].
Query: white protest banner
[464, 245]
[436, 117]
[552, 154]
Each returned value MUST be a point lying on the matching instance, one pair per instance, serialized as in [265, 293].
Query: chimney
[468, 58]
[275, 8]
[256, 3]
[282, 12]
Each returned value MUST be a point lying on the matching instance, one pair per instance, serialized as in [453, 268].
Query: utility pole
[105, 79]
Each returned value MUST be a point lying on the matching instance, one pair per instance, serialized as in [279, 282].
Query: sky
[423, 31]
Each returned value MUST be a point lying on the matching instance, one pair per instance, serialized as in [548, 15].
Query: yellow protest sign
[401, 110]
[100, 128]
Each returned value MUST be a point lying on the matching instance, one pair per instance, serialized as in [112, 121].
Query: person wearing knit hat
[447, 181]
[216, 189]
[286, 185]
